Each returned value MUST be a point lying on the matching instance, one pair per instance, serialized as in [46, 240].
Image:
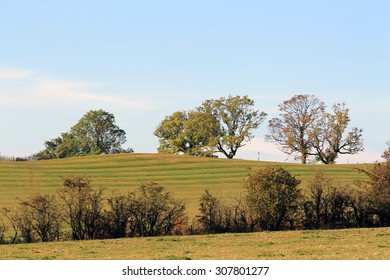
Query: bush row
[272, 201]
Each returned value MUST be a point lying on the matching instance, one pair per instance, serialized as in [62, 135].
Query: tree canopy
[235, 119]
[95, 133]
[221, 125]
[304, 129]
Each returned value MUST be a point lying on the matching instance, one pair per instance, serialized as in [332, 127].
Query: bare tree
[294, 129]
[42, 213]
[305, 129]
[83, 206]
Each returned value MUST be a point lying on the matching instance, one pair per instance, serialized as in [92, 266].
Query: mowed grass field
[187, 178]
[350, 244]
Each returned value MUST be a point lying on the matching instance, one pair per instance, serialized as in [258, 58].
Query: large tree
[236, 118]
[330, 140]
[187, 133]
[95, 133]
[222, 125]
[294, 129]
[304, 129]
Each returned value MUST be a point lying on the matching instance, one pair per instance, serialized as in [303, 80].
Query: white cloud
[366, 156]
[79, 92]
[258, 148]
[14, 74]
[259, 145]
[34, 89]
[270, 152]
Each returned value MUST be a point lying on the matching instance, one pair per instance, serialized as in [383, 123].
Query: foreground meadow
[350, 244]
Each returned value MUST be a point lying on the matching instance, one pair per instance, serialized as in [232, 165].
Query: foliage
[154, 212]
[211, 216]
[386, 153]
[3, 229]
[378, 191]
[304, 129]
[328, 136]
[188, 133]
[116, 218]
[273, 197]
[221, 125]
[294, 129]
[83, 206]
[216, 217]
[327, 206]
[95, 133]
[236, 118]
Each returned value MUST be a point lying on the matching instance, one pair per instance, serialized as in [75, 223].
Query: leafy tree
[95, 133]
[98, 134]
[236, 118]
[328, 136]
[378, 191]
[221, 125]
[187, 133]
[304, 129]
[273, 197]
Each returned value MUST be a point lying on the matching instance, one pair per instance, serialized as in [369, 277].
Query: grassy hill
[187, 177]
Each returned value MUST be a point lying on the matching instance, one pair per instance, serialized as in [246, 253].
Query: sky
[144, 60]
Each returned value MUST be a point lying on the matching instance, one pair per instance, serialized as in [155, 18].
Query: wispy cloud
[32, 88]
[366, 156]
[259, 149]
[14, 74]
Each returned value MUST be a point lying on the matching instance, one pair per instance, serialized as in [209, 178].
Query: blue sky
[143, 60]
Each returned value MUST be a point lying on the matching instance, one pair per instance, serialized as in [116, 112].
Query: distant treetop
[95, 133]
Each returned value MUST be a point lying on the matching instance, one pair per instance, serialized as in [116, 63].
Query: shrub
[3, 229]
[327, 206]
[21, 224]
[211, 214]
[273, 198]
[154, 212]
[41, 214]
[83, 207]
[116, 218]
[378, 192]
[216, 217]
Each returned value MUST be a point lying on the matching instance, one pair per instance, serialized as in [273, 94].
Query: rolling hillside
[187, 177]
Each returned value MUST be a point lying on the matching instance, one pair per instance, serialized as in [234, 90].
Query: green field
[351, 244]
[187, 178]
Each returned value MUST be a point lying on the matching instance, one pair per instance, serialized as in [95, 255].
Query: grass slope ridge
[187, 177]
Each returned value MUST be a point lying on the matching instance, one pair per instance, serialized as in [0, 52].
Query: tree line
[272, 201]
[304, 129]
